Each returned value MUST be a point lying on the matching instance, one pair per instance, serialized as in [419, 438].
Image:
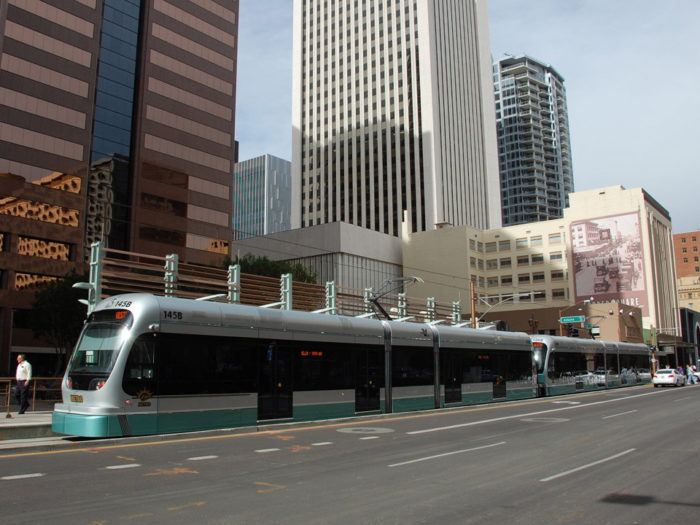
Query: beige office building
[393, 115]
[612, 246]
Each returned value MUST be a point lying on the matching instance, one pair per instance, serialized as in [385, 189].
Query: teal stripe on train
[202, 420]
[409, 404]
[326, 411]
[87, 426]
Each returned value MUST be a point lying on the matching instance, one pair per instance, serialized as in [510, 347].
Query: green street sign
[573, 319]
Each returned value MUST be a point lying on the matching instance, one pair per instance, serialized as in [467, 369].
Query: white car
[668, 376]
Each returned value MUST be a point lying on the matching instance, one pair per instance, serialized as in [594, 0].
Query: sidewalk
[27, 429]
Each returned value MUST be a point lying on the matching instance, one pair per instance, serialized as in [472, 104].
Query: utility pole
[475, 321]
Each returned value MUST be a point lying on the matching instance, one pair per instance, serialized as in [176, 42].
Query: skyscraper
[261, 196]
[116, 124]
[392, 115]
[534, 149]
[136, 98]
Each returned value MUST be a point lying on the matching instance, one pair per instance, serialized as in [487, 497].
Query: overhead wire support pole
[171, 269]
[234, 283]
[94, 285]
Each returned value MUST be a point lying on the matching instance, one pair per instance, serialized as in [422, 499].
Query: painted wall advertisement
[608, 260]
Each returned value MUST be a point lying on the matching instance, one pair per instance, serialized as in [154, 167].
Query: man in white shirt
[24, 376]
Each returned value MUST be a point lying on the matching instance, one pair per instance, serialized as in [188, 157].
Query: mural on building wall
[608, 260]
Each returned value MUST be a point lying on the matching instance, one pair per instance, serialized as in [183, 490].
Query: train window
[195, 364]
[323, 366]
[95, 355]
[138, 373]
[412, 366]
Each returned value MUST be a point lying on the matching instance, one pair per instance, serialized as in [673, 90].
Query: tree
[57, 316]
[250, 263]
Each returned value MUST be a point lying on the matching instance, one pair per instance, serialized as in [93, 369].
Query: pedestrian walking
[23, 376]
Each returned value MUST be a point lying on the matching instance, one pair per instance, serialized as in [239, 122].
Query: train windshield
[97, 350]
[539, 352]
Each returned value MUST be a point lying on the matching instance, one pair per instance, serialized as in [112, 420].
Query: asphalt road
[617, 457]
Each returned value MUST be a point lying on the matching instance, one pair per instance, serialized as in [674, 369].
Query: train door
[369, 371]
[275, 382]
[451, 375]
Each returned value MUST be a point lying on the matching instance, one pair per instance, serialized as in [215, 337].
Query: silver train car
[148, 364]
[568, 364]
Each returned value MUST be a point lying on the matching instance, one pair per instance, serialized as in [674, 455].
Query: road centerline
[588, 465]
[452, 453]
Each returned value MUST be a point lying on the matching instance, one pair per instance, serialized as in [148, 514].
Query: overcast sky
[631, 71]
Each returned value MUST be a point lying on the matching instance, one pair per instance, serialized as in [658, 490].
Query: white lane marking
[566, 402]
[201, 458]
[266, 450]
[119, 467]
[23, 476]
[682, 399]
[620, 414]
[518, 416]
[321, 444]
[446, 454]
[369, 437]
[589, 465]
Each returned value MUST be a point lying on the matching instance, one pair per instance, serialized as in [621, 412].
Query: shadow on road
[632, 499]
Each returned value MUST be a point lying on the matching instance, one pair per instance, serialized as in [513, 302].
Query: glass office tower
[533, 140]
[116, 124]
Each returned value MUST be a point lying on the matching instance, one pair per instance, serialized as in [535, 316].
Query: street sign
[573, 319]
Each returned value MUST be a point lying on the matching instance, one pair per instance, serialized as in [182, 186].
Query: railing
[45, 390]
[115, 272]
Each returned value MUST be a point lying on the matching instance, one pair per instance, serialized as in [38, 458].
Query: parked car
[644, 374]
[668, 376]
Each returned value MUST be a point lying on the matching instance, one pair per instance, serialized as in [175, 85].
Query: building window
[506, 280]
[490, 247]
[537, 258]
[536, 241]
[538, 277]
[492, 282]
[503, 245]
[555, 256]
[524, 278]
[521, 243]
[557, 275]
[559, 293]
[523, 260]
[491, 264]
[506, 262]
[554, 238]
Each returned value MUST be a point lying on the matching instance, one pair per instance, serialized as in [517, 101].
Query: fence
[115, 272]
[44, 391]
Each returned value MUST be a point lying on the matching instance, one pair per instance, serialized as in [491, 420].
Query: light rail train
[148, 364]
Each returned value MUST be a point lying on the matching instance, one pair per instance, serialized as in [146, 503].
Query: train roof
[217, 318]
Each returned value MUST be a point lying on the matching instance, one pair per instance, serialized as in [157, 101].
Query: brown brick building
[116, 124]
[687, 250]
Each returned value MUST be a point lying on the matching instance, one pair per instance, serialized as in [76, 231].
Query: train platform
[28, 429]
[25, 426]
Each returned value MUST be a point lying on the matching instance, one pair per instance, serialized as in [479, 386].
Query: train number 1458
[171, 314]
